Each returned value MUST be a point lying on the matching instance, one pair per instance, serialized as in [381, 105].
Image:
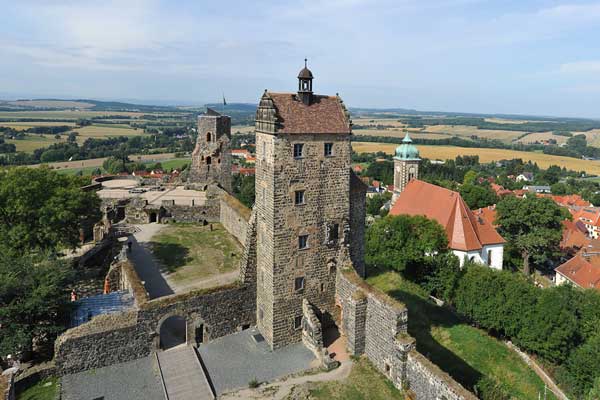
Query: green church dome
[407, 150]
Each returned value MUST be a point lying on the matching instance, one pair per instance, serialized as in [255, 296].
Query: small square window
[299, 197]
[298, 322]
[303, 242]
[299, 284]
[328, 149]
[298, 150]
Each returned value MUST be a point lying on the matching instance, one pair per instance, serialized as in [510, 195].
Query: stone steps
[182, 375]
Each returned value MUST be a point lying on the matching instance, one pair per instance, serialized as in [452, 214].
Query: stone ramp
[182, 375]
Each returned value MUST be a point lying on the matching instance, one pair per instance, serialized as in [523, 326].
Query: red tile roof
[574, 236]
[465, 230]
[583, 270]
[589, 215]
[488, 214]
[325, 114]
[570, 200]
[500, 190]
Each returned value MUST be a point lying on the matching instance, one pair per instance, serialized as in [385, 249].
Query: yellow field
[399, 133]
[21, 126]
[539, 136]
[94, 131]
[468, 131]
[505, 121]
[97, 162]
[486, 155]
[378, 121]
[33, 142]
[242, 129]
[592, 136]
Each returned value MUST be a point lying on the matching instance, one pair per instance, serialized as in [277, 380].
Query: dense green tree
[399, 242]
[532, 225]
[375, 203]
[478, 196]
[559, 188]
[552, 326]
[33, 298]
[382, 171]
[594, 393]
[470, 177]
[443, 277]
[582, 369]
[42, 210]
[243, 189]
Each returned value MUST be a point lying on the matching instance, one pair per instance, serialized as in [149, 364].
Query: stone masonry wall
[234, 216]
[115, 338]
[358, 213]
[376, 326]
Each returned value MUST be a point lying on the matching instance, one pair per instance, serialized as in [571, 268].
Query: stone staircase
[182, 375]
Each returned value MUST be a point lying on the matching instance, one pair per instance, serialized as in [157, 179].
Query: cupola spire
[305, 78]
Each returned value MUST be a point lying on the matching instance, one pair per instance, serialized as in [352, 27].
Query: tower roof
[305, 73]
[407, 151]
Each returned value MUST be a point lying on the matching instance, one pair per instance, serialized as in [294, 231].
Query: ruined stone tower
[211, 158]
[303, 206]
[406, 165]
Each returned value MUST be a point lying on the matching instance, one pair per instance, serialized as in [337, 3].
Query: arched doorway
[173, 332]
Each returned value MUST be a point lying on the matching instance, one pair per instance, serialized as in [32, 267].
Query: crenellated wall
[376, 326]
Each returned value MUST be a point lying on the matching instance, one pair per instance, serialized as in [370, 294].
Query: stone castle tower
[211, 158]
[303, 206]
[406, 165]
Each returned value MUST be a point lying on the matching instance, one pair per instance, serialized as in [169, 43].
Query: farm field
[242, 129]
[399, 133]
[539, 136]
[20, 126]
[175, 163]
[104, 131]
[97, 162]
[32, 142]
[467, 131]
[486, 155]
[463, 351]
[74, 115]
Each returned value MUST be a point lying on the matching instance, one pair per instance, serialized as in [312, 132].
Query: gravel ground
[134, 380]
[234, 360]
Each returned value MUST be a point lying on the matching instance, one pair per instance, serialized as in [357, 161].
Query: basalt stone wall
[358, 213]
[427, 381]
[208, 212]
[376, 326]
[120, 337]
[234, 216]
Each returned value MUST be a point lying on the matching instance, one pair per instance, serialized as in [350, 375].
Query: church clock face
[411, 170]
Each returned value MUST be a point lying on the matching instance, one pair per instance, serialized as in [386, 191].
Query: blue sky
[521, 57]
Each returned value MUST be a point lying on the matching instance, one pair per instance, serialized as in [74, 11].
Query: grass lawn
[464, 352]
[364, 383]
[191, 252]
[43, 390]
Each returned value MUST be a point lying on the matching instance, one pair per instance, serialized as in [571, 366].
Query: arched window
[208, 160]
[208, 136]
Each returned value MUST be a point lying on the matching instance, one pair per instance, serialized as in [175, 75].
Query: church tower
[406, 165]
[211, 158]
[303, 206]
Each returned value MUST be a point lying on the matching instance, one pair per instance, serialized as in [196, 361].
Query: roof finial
[305, 60]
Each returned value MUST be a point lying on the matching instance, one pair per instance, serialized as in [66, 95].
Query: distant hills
[242, 111]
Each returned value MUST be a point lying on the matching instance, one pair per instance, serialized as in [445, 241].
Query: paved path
[233, 361]
[281, 389]
[182, 374]
[145, 264]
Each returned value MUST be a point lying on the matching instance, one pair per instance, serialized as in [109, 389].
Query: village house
[583, 270]
[525, 177]
[590, 217]
[537, 189]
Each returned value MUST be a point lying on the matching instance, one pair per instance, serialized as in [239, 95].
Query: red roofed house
[470, 237]
[590, 217]
[583, 270]
[569, 201]
[574, 236]
[500, 190]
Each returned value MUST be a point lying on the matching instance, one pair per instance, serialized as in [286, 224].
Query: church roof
[324, 114]
[465, 231]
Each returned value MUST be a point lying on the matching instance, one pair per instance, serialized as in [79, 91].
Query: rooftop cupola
[407, 151]
[305, 78]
